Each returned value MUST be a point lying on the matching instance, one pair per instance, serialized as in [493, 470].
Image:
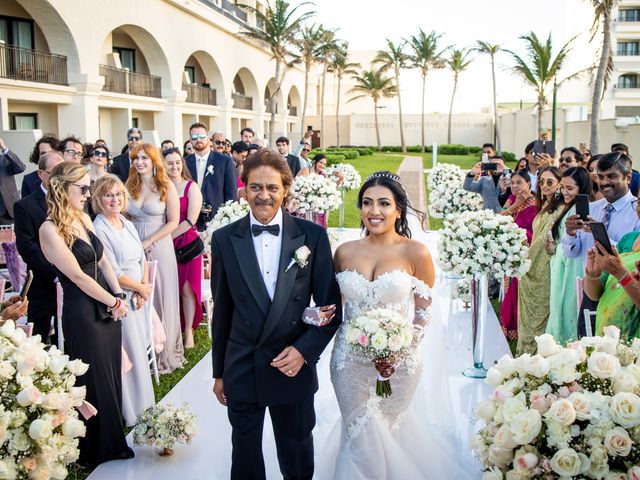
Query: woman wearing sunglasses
[99, 160]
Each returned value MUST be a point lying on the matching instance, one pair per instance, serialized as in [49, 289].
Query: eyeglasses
[134, 139]
[84, 189]
[72, 153]
[566, 159]
[549, 182]
[197, 136]
[99, 153]
[306, 150]
[111, 196]
[189, 147]
[168, 151]
[220, 142]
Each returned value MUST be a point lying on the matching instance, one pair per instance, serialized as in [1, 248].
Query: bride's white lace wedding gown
[381, 438]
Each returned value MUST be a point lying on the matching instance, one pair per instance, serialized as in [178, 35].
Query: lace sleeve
[422, 304]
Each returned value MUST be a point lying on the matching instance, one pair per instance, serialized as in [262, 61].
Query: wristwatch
[121, 295]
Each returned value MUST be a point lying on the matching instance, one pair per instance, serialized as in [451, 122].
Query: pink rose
[539, 402]
[575, 387]
[363, 340]
[578, 347]
[563, 392]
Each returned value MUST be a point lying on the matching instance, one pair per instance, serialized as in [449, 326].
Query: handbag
[193, 249]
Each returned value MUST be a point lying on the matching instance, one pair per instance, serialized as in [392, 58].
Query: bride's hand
[384, 367]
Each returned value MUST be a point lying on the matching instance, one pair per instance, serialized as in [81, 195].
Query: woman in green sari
[533, 287]
[609, 279]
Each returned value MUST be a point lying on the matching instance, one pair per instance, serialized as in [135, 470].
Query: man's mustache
[269, 202]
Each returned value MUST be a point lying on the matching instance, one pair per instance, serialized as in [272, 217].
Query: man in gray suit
[10, 165]
[487, 185]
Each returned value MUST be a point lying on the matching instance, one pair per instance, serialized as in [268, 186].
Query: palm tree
[372, 83]
[457, 63]
[602, 14]
[280, 26]
[328, 44]
[543, 67]
[492, 50]
[425, 57]
[340, 66]
[308, 46]
[394, 59]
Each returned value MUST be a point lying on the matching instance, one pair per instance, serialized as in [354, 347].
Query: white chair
[59, 300]
[152, 268]
[587, 321]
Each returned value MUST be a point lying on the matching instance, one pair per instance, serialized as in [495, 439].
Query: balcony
[293, 111]
[121, 80]
[242, 102]
[32, 66]
[198, 94]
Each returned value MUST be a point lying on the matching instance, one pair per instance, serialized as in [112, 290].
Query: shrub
[475, 149]
[509, 157]
[453, 149]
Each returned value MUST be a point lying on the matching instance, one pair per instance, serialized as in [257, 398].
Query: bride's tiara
[390, 176]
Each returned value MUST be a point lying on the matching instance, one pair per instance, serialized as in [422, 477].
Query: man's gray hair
[45, 157]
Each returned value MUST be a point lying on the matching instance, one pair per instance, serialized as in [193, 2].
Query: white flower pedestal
[479, 305]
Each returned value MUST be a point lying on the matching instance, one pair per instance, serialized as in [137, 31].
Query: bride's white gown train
[383, 438]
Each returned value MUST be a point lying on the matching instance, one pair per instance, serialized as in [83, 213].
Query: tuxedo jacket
[31, 213]
[30, 182]
[120, 166]
[294, 164]
[10, 165]
[220, 180]
[250, 330]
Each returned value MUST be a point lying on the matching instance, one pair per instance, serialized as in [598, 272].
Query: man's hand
[307, 134]
[289, 362]
[218, 391]
[573, 224]
[477, 169]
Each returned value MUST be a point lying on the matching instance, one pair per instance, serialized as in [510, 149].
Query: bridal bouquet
[314, 193]
[229, 212]
[450, 199]
[39, 425]
[380, 334]
[352, 179]
[483, 243]
[445, 175]
[566, 412]
[164, 425]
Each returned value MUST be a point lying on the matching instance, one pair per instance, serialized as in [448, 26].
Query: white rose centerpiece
[315, 193]
[163, 426]
[229, 212]
[352, 178]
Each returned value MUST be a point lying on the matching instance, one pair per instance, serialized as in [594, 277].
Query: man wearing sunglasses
[71, 149]
[219, 142]
[122, 163]
[214, 172]
[570, 157]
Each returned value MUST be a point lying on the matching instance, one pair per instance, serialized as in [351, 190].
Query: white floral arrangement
[39, 424]
[380, 334]
[483, 243]
[229, 212]
[445, 175]
[448, 200]
[163, 426]
[315, 193]
[462, 290]
[566, 412]
[352, 178]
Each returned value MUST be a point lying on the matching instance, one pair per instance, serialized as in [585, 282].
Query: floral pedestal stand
[479, 304]
[341, 224]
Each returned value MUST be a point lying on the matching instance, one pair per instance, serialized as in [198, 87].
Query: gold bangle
[592, 277]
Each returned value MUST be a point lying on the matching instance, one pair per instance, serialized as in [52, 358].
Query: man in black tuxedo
[10, 165]
[31, 212]
[282, 143]
[214, 171]
[122, 163]
[264, 355]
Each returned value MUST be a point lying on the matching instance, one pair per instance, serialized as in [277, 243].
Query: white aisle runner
[209, 456]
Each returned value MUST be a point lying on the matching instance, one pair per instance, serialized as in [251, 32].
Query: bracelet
[115, 306]
[592, 277]
[626, 280]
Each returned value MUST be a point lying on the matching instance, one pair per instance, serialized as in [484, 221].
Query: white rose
[563, 366]
[625, 409]
[547, 345]
[29, 396]
[494, 377]
[72, 428]
[624, 381]
[538, 366]
[526, 427]
[581, 405]
[395, 343]
[617, 442]
[40, 429]
[493, 474]
[379, 341]
[500, 457]
[612, 332]
[486, 410]
[599, 461]
[607, 345]
[57, 363]
[524, 461]
[77, 367]
[634, 473]
[617, 476]
[7, 329]
[504, 438]
[634, 370]
[6, 370]
[568, 463]
[512, 408]
[602, 365]
[562, 411]
[371, 326]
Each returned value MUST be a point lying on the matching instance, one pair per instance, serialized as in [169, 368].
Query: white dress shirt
[623, 219]
[267, 247]
[201, 166]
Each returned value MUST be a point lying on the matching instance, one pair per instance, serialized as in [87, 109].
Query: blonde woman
[123, 248]
[190, 273]
[91, 313]
[154, 207]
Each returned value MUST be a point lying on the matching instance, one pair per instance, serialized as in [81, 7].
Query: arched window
[628, 80]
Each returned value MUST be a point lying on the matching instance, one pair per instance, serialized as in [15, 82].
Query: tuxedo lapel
[246, 255]
[41, 200]
[292, 239]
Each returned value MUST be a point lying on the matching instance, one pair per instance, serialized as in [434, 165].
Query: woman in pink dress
[521, 205]
[189, 274]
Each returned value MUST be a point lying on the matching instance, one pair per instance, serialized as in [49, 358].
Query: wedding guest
[31, 181]
[227, 148]
[533, 288]
[303, 157]
[154, 208]
[219, 142]
[239, 153]
[522, 207]
[591, 168]
[10, 166]
[187, 149]
[246, 135]
[609, 281]
[71, 149]
[523, 164]
[570, 157]
[13, 309]
[123, 248]
[90, 313]
[31, 212]
[634, 184]
[488, 185]
[282, 144]
[121, 165]
[253, 148]
[319, 168]
[99, 159]
[166, 145]
[87, 148]
[190, 273]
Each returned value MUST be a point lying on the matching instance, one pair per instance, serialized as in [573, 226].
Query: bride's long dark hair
[393, 182]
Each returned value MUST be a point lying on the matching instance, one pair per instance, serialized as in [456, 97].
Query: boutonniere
[299, 257]
[209, 170]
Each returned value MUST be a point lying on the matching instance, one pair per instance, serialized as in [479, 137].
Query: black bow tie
[258, 229]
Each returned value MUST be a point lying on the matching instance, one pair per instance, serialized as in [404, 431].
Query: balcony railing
[120, 80]
[234, 9]
[242, 101]
[32, 66]
[293, 111]
[198, 94]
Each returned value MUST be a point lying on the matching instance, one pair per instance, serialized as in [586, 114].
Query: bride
[382, 438]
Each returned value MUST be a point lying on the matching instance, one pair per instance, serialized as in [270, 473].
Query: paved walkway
[412, 173]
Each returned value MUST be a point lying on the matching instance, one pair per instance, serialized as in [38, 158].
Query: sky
[366, 24]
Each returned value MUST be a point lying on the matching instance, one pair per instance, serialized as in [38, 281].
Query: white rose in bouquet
[352, 178]
[229, 212]
[315, 193]
[547, 345]
[526, 427]
[602, 365]
[624, 381]
[445, 174]
[625, 409]
[568, 463]
[617, 442]
[562, 411]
